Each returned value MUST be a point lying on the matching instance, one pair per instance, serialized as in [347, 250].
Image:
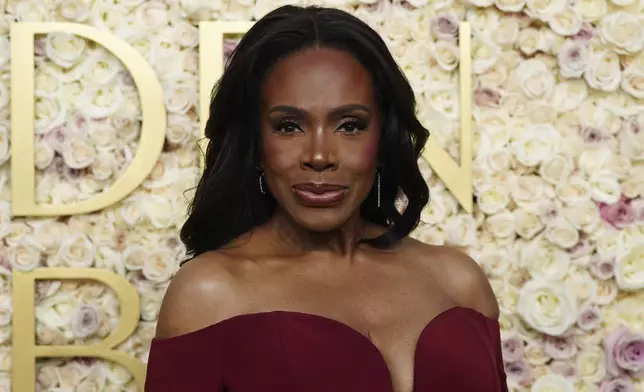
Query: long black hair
[228, 202]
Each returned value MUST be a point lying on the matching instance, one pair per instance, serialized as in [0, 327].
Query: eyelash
[357, 126]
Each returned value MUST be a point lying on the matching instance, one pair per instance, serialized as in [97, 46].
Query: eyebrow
[340, 110]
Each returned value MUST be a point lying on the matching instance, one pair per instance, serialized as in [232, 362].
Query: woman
[303, 278]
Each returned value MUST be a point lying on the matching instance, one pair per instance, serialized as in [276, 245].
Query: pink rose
[559, 347]
[586, 33]
[602, 269]
[512, 349]
[621, 384]
[56, 138]
[445, 26]
[519, 371]
[624, 352]
[229, 46]
[487, 97]
[618, 215]
[589, 319]
[564, 368]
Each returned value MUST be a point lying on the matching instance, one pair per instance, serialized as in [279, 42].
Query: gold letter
[457, 178]
[23, 172]
[25, 351]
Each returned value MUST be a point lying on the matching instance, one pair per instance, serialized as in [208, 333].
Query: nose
[320, 153]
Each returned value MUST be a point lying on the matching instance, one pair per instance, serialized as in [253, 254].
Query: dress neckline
[440, 317]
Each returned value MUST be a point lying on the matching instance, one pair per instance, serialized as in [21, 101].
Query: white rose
[592, 161]
[528, 190]
[603, 72]
[101, 134]
[591, 10]
[447, 55]
[556, 169]
[97, 101]
[542, 9]
[432, 235]
[32, 11]
[78, 154]
[629, 269]
[44, 154]
[159, 266]
[576, 189]
[461, 230]
[57, 310]
[527, 224]
[150, 305]
[583, 215]
[624, 31]
[591, 364]
[501, 225]
[103, 167]
[553, 383]
[117, 374]
[49, 234]
[492, 198]
[495, 262]
[573, 59]
[544, 260]
[485, 53]
[5, 151]
[77, 251]
[25, 255]
[160, 211]
[534, 79]
[134, 257]
[546, 307]
[65, 50]
[567, 22]
[74, 10]
[536, 144]
[605, 187]
[510, 5]
[180, 94]
[498, 160]
[50, 113]
[180, 129]
[130, 210]
[152, 14]
[633, 81]
[6, 309]
[562, 233]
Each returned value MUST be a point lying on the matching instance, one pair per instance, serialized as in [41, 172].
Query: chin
[320, 221]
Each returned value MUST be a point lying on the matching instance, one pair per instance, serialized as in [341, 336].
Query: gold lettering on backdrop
[23, 172]
[456, 176]
[25, 351]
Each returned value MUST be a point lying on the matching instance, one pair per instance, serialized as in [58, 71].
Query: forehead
[318, 77]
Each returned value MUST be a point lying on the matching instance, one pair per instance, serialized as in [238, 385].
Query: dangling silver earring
[378, 180]
[261, 184]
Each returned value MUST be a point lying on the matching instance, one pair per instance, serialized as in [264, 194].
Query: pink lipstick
[319, 194]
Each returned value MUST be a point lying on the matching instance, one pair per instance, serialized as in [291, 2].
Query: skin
[307, 259]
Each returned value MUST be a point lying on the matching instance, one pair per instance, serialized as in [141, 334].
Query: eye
[288, 126]
[353, 126]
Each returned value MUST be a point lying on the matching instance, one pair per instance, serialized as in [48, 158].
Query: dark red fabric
[283, 351]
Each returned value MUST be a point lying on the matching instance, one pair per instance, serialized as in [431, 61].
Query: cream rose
[32, 11]
[485, 53]
[596, 160]
[74, 10]
[492, 198]
[56, 311]
[591, 364]
[180, 93]
[562, 233]
[528, 190]
[573, 59]
[527, 224]
[591, 10]
[536, 144]
[25, 255]
[159, 266]
[605, 187]
[556, 169]
[446, 54]
[100, 101]
[64, 49]
[180, 130]
[542, 9]
[501, 225]
[566, 23]
[544, 261]
[78, 154]
[633, 81]
[576, 189]
[553, 383]
[624, 31]
[432, 235]
[77, 251]
[461, 230]
[50, 114]
[5, 151]
[44, 154]
[629, 269]
[534, 79]
[604, 71]
[546, 307]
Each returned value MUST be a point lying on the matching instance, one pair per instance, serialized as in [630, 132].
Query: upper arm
[468, 283]
[199, 295]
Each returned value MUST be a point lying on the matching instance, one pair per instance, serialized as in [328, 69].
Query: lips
[320, 195]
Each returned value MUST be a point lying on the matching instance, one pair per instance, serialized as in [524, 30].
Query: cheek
[276, 154]
[363, 157]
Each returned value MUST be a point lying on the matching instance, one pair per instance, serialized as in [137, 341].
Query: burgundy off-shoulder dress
[284, 351]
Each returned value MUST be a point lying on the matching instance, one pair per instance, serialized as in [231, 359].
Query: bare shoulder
[460, 276]
[202, 293]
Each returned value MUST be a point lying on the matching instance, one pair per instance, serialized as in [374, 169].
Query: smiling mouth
[320, 195]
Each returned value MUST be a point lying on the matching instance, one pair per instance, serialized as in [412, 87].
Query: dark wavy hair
[228, 202]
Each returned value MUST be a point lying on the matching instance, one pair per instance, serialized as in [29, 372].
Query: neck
[291, 238]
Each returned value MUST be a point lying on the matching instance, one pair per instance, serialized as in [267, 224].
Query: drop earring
[378, 185]
[261, 184]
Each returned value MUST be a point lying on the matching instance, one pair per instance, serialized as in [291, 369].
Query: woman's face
[320, 130]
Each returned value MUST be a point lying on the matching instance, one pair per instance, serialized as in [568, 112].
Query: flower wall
[558, 174]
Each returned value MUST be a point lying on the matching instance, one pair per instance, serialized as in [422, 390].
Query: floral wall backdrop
[558, 172]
